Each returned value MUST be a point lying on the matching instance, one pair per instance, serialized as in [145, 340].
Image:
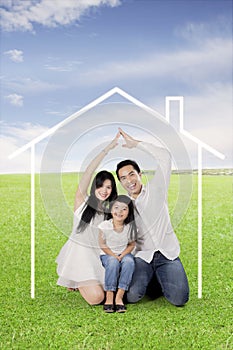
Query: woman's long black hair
[130, 218]
[92, 202]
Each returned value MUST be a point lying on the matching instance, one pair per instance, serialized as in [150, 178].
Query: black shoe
[109, 308]
[120, 308]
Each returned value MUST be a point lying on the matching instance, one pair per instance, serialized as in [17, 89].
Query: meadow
[58, 319]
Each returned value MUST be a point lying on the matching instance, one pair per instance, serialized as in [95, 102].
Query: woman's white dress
[78, 263]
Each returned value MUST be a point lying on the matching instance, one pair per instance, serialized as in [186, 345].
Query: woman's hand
[129, 141]
[113, 143]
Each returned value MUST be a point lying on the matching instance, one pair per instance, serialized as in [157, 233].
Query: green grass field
[58, 319]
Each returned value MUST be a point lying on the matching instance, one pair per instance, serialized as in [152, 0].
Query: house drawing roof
[117, 90]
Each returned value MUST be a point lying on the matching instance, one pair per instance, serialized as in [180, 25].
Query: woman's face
[102, 193]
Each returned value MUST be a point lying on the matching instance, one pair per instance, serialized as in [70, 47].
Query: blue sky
[57, 56]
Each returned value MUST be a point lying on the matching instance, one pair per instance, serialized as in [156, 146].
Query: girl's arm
[84, 183]
[103, 245]
[127, 250]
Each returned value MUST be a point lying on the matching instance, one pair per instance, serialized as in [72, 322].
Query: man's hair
[125, 163]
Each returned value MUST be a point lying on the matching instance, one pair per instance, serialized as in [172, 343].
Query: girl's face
[119, 211]
[102, 193]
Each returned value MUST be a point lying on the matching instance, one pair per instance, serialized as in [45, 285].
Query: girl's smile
[119, 211]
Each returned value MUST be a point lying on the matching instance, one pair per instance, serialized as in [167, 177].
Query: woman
[78, 261]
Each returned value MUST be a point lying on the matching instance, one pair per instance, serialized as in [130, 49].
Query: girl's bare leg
[119, 297]
[109, 297]
[93, 295]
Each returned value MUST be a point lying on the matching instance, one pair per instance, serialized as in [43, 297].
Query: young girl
[117, 240]
[78, 261]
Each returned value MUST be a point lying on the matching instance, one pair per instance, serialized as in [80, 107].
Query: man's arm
[163, 159]
[160, 154]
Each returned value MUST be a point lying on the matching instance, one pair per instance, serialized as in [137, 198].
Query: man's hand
[129, 141]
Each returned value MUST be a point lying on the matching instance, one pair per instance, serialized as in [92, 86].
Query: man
[158, 269]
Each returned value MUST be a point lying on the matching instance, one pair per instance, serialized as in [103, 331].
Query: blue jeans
[159, 277]
[118, 274]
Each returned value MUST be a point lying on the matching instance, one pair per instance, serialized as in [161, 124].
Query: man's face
[130, 180]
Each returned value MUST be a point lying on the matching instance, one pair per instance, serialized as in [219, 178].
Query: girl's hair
[130, 218]
[92, 202]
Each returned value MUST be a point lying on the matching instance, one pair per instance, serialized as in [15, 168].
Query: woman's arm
[84, 183]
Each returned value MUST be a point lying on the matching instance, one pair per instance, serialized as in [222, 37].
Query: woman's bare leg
[93, 295]
[72, 289]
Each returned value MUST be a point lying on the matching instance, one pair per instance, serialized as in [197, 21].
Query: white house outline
[201, 146]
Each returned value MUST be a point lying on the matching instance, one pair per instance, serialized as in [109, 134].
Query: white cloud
[22, 15]
[207, 116]
[23, 132]
[20, 164]
[15, 99]
[194, 32]
[15, 55]
[29, 85]
[194, 67]
[68, 66]
[212, 60]
[14, 136]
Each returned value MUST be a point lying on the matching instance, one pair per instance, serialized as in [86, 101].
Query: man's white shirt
[152, 217]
